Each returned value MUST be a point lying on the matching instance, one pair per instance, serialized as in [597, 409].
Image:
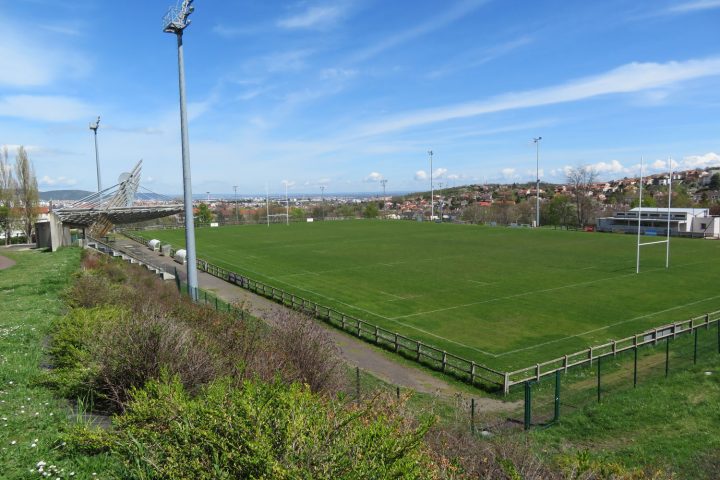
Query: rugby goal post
[639, 225]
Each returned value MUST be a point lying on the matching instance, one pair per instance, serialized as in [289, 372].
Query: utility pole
[94, 127]
[175, 22]
[322, 200]
[267, 204]
[237, 214]
[432, 192]
[208, 200]
[537, 180]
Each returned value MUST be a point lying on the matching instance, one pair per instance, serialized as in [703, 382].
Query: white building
[691, 222]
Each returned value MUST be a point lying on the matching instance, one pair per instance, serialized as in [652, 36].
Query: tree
[204, 214]
[297, 214]
[580, 180]
[27, 190]
[559, 210]
[8, 188]
[371, 210]
[715, 182]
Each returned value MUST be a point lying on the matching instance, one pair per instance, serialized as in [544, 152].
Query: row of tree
[19, 196]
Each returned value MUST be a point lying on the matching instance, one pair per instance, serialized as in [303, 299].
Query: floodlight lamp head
[176, 19]
[96, 125]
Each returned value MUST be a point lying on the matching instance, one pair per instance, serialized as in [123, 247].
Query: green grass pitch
[507, 298]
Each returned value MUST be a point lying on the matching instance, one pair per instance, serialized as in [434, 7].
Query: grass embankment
[671, 424]
[507, 298]
[32, 417]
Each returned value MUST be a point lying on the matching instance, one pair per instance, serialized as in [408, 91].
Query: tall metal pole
[237, 214]
[667, 249]
[322, 200]
[94, 127]
[267, 204]
[440, 185]
[176, 23]
[637, 266]
[432, 191]
[287, 206]
[537, 182]
[384, 182]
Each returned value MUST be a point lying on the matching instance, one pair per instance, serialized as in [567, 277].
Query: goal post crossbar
[639, 216]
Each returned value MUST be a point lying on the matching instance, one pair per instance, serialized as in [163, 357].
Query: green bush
[259, 430]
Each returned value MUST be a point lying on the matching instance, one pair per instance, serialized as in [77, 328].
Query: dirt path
[354, 351]
[6, 262]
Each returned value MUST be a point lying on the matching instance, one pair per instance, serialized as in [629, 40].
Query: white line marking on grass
[481, 283]
[397, 297]
[532, 292]
[608, 326]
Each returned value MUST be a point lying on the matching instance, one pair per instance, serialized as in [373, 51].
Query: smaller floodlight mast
[322, 200]
[287, 205]
[537, 180]
[237, 218]
[384, 182]
[94, 127]
[432, 192]
[176, 21]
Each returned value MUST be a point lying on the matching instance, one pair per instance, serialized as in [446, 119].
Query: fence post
[216, 304]
[718, 334]
[667, 356]
[557, 396]
[472, 373]
[635, 368]
[599, 362]
[537, 372]
[343, 322]
[206, 297]
[397, 345]
[397, 392]
[418, 351]
[376, 334]
[707, 321]
[695, 347]
[358, 328]
[472, 416]
[565, 363]
[444, 362]
[528, 402]
[590, 355]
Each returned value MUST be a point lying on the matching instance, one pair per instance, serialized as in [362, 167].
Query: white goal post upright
[667, 237]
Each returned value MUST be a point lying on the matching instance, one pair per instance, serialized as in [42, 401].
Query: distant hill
[64, 195]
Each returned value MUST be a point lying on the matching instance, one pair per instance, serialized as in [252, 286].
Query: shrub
[260, 430]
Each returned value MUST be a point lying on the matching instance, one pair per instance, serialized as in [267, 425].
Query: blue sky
[343, 93]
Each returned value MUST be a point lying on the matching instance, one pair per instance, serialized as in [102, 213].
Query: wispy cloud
[314, 17]
[47, 108]
[56, 181]
[633, 77]
[479, 57]
[458, 11]
[696, 6]
[25, 62]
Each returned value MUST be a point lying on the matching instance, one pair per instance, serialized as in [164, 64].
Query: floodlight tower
[287, 205]
[432, 194]
[440, 185]
[237, 217]
[176, 21]
[384, 182]
[94, 127]
[537, 181]
[322, 200]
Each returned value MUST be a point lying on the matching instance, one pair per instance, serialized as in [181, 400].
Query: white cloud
[337, 73]
[44, 108]
[710, 159]
[509, 172]
[421, 175]
[313, 17]
[288, 183]
[629, 78]
[453, 176]
[613, 166]
[439, 172]
[57, 181]
[374, 177]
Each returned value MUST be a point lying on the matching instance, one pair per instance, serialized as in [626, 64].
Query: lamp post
[175, 22]
[322, 200]
[287, 205]
[537, 181]
[237, 215]
[440, 185]
[384, 182]
[94, 127]
[432, 192]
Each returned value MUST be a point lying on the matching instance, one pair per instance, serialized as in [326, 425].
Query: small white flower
[33, 445]
[13, 442]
